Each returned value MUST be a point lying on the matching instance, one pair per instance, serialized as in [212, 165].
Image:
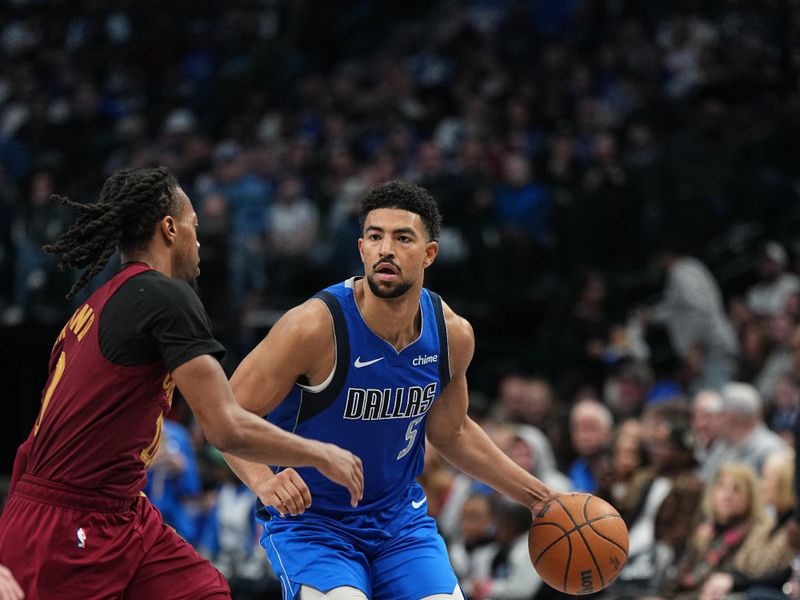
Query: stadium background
[566, 141]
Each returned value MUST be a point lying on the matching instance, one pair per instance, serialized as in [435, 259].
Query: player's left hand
[287, 492]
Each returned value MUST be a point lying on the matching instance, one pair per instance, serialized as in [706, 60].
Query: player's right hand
[344, 468]
[287, 492]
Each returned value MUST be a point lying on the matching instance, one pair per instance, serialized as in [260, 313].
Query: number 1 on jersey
[57, 373]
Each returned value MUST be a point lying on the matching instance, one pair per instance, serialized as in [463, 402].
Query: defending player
[373, 364]
[76, 524]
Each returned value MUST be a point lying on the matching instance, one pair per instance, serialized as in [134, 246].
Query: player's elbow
[221, 433]
[442, 441]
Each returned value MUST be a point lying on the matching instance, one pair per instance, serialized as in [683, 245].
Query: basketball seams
[550, 545]
[585, 543]
[569, 562]
[562, 517]
[567, 532]
[608, 539]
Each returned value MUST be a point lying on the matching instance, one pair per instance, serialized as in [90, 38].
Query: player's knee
[339, 593]
[456, 595]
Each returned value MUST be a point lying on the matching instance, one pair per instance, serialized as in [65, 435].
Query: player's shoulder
[155, 283]
[309, 321]
[153, 291]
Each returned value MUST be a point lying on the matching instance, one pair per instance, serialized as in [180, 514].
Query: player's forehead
[393, 219]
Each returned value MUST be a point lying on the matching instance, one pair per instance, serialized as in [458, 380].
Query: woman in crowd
[734, 517]
[763, 564]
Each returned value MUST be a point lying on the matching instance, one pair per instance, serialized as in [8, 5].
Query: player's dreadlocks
[131, 202]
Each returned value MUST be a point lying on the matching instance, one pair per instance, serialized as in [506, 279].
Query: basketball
[578, 543]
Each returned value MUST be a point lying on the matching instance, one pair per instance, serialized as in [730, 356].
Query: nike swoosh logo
[418, 503]
[358, 364]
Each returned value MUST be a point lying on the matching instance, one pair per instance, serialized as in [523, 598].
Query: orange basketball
[578, 543]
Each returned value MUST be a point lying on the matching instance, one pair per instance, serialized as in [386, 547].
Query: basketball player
[375, 364]
[76, 524]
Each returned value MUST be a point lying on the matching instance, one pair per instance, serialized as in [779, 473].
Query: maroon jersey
[100, 421]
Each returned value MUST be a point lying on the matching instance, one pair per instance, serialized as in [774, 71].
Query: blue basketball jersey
[374, 404]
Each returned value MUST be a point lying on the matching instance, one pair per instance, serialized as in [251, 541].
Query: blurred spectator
[693, 313]
[608, 197]
[744, 437]
[590, 427]
[213, 235]
[436, 480]
[585, 333]
[786, 406]
[474, 545]
[660, 507]
[293, 224]
[769, 296]
[627, 457]
[531, 450]
[764, 562]
[229, 537]
[38, 282]
[9, 205]
[522, 207]
[683, 39]
[463, 486]
[173, 479]
[532, 401]
[779, 359]
[628, 388]
[754, 351]
[248, 197]
[508, 574]
[734, 514]
[706, 421]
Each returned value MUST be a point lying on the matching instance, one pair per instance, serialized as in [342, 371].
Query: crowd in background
[618, 181]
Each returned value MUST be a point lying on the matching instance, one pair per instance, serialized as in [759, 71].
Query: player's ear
[361, 247]
[168, 229]
[431, 252]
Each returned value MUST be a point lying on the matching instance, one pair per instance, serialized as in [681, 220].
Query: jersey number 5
[411, 435]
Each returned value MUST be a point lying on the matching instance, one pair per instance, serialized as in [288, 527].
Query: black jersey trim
[444, 352]
[314, 403]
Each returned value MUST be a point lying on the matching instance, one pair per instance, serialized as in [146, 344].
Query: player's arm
[300, 344]
[235, 431]
[462, 441]
[171, 317]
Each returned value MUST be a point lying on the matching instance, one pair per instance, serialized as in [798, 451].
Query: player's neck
[396, 320]
[151, 259]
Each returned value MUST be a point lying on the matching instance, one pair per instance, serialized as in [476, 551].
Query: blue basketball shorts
[397, 554]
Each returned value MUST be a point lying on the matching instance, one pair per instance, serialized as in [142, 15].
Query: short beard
[396, 292]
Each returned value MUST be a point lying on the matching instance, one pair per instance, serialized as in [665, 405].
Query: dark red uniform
[76, 524]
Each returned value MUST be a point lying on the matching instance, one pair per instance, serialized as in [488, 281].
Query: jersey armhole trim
[444, 347]
[331, 387]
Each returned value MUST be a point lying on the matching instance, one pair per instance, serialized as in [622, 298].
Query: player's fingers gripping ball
[578, 543]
